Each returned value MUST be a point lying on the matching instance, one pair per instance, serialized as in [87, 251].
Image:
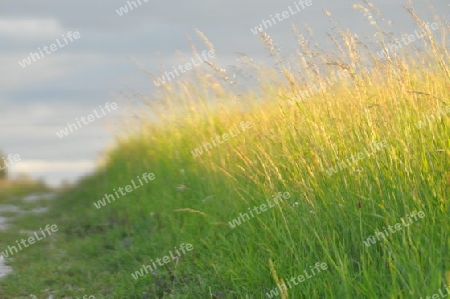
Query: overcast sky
[100, 66]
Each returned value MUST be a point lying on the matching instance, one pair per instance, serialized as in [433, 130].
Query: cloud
[31, 28]
[53, 171]
[54, 68]
[52, 166]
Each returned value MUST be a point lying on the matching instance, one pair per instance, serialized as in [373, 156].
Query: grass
[12, 189]
[289, 148]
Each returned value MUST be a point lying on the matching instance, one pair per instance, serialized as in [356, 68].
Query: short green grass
[288, 149]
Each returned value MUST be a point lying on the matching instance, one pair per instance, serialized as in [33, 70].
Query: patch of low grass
[17, 188]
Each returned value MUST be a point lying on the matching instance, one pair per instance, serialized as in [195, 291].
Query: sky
[106, 63]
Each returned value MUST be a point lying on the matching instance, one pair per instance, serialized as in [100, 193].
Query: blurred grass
[10, 189]
[288, 149]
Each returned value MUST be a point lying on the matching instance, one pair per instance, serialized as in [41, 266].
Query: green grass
[13, 189]
[288, 149]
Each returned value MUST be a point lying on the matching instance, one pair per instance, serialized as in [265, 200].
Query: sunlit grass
[288, 149]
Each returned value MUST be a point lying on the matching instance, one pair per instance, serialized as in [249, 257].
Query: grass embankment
[289, 148]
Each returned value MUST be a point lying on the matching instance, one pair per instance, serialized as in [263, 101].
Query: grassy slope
[288, 149]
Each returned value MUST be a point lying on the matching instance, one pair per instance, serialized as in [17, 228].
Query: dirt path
[12, 211]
